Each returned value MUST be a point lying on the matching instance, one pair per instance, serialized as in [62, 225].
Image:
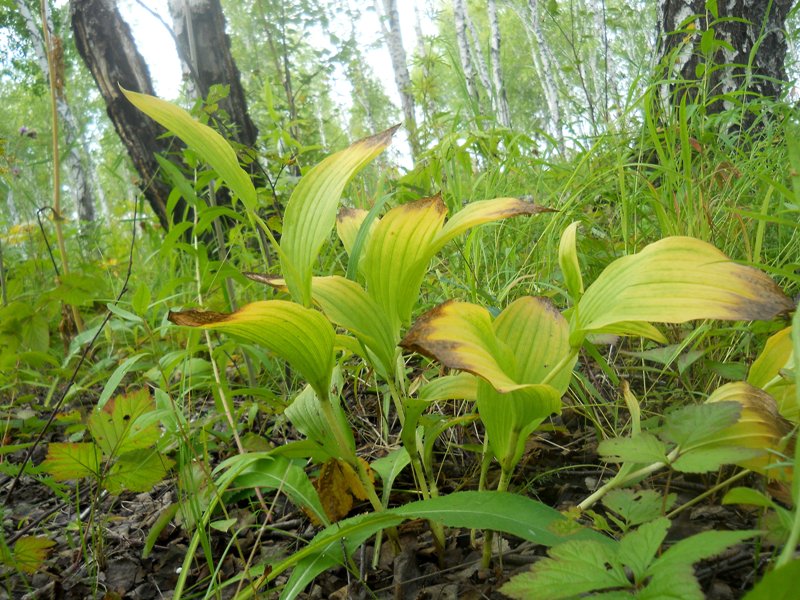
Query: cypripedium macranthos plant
[773, 372]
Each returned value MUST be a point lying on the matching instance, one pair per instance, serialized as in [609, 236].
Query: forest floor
[560, 468]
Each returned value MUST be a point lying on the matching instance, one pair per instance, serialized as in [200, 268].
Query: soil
[103, 558]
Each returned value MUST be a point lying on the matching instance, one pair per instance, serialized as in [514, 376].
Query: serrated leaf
[203, 140]
[311, 210]
[675, 280]
[637, 549]
[692, 425]
[638, 506]
[301, 336]
[72, 460]
[698, 547]
[573, 568]
[640, 448]
[706, 459]
[30, 553]
[568, 261]
[137, 471]
[119, 426]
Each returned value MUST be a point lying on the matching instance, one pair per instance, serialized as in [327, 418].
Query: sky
[158, 48]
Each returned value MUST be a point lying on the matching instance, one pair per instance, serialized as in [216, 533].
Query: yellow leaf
[338, 487]
[30, 552]
[765, 373]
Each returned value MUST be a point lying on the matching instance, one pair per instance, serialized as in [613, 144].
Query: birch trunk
[394, 41]
[543, 59]
[750, 59]
[76, 157]
[460, 17]
[501, 100]
[105, 43]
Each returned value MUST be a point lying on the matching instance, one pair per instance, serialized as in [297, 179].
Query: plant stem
[625, 476]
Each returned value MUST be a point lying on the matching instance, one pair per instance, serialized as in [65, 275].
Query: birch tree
[462, 40]
[390, 25]
[76, 158]
[738, 47]
[499, 91]
[545, 66]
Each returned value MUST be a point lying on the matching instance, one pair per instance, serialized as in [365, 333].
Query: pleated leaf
[760, 426]
[460, 335]
[768, 373]
[568, 261]
[675, 280]
[301, 336]
[311, 210]
[203, 140]
[397, 255]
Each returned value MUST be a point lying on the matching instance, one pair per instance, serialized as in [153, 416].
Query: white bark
[477, 55]
[543, 59]
[501, 100]
[460, 17]
[394, 41]
[80, 184]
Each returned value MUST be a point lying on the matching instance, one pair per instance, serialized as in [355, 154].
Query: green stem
[625, 476]
[506, 471]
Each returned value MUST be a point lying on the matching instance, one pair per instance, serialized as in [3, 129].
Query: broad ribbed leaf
[203, 140]
[348, 224]
[766, 373]
[303, 337]
[484, 211]
[760, 427]
[675, 280]
[460, 335]
[347, 304]
[538, 336]
[305, 413]
[397, 255]
[311, 210]
[568, 261]
[510, 513]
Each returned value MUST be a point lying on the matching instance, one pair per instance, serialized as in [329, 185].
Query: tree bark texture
[76, 157]
[105, 43]
[750, 59]
[462, 41]
[543, 59]
[501, 99]
[205, 52]
[394, 41]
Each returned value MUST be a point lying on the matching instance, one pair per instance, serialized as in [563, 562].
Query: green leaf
[638, 506]
[638, 548]
[574, 568]
[675, 280]
[30, 552]
[120, 426]
[264, 471]
[766, 373]
[113, 381]
[72, 460]
[499, 511]
[311, 210]
[137, 471]
[640, 448]
[568, 261]
[203, 140]
[745, 495]
[301, 336]
[706, 459]
[698, 547]
[692, 425]
[305, 413]
[780, 584]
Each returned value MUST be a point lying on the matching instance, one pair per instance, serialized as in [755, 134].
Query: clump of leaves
[121, 455]
[631, 567]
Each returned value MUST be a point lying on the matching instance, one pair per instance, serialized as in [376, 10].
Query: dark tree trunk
[106, 45]
[205, 49]
[719, 71]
